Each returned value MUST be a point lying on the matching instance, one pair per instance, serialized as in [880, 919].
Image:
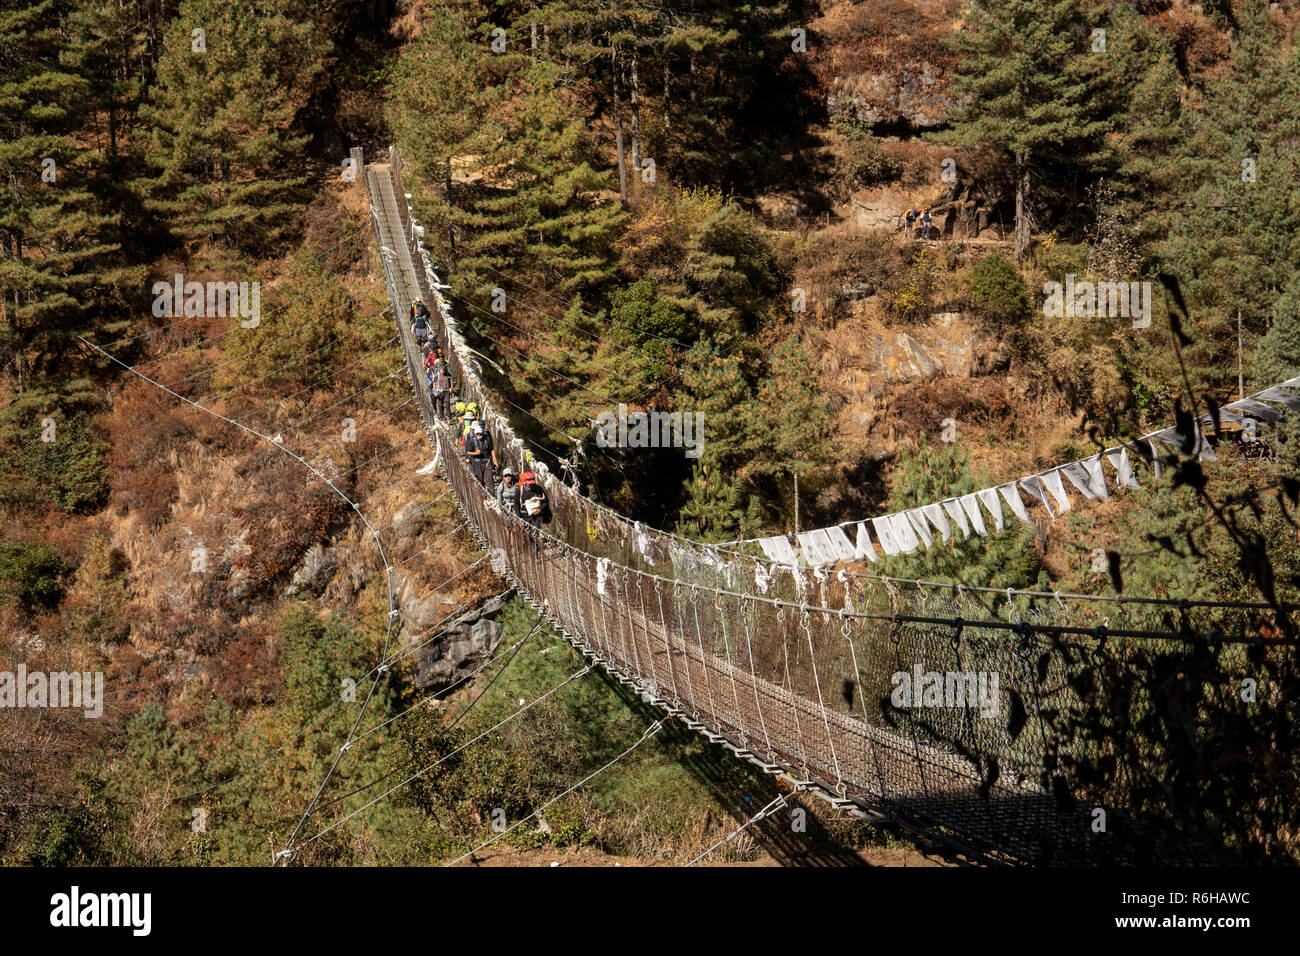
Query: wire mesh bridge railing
[935, 709]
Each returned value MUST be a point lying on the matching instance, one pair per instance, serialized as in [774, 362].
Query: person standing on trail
[533, 507]
[481, 454]
[420, 323]
[909, 220]
[440, 390]
[925, 223]
[508, 492]
[433, 358]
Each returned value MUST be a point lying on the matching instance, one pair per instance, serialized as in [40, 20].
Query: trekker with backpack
[440, 390]
[508, 491]
[925, 223]
[481, 454]
[533, 507]
[420, 324]
[909, 221]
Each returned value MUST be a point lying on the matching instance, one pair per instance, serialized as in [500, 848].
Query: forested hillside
[683, 206]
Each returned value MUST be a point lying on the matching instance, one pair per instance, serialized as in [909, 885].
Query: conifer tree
[55, 236]
[229, 157]
[1235, 241]
[798, 425]
[1028, 79]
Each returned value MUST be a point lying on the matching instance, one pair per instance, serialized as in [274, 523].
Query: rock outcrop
[459, 647]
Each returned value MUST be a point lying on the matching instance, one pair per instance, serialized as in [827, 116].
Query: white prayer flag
[1277, 394]
[643, 543]
[885, 532]
[904, 533]
[1118, 457]
[1265, 413]
[1052, 482]
[938, 519]
[1078, 476]
[989, 497]
[954, 509]
[1034, 486]
[1096, 476]
[971, 505]
[1012, 498]
[917, 518]
[840, 542]
[1148, 450]
[779, 550]
[862, 547]
[816, 548]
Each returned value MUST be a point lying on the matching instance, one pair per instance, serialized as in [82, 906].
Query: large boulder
[318, 566]
[912, 92]
[459, 647]
[942, 348]
[408, 519]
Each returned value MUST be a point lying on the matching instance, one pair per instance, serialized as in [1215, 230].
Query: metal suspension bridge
[790, 668]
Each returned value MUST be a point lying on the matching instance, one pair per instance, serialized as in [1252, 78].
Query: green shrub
[56, 838]
[866, 163]
[31, 574]
[71, 470]
[997, 292]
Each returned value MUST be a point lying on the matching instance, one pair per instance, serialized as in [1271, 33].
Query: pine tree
[229, 158]
[56, 239]
[1235, 242]
[800, 427]
[546, 214]
[1028, 80]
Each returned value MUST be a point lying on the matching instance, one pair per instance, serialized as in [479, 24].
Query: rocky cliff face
[460, 647]
[912, 93]
[885, 63]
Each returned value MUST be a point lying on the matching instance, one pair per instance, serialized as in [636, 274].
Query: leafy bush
[866, 162]
[56, 838]
[997, 292]
[94, 610]
[32, 574]
[72, 470]
[316, 659]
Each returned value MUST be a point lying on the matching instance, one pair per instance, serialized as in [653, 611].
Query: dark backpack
[533, 503]
[482, 443]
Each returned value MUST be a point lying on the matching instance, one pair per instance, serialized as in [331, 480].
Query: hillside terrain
[692, 207]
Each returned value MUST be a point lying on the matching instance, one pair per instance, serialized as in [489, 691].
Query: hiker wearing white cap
[481, 453]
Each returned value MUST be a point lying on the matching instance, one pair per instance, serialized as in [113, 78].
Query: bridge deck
[709, 670]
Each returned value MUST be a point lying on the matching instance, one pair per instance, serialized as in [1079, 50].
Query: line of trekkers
[518, 495]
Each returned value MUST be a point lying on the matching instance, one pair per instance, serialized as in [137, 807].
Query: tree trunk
[636, 126]
[451, 219]
[1022, 206]
[618, 130]
[668, 116]
[796, 502]
[532, 40]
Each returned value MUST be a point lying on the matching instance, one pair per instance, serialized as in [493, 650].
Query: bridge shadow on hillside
[742, 789]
